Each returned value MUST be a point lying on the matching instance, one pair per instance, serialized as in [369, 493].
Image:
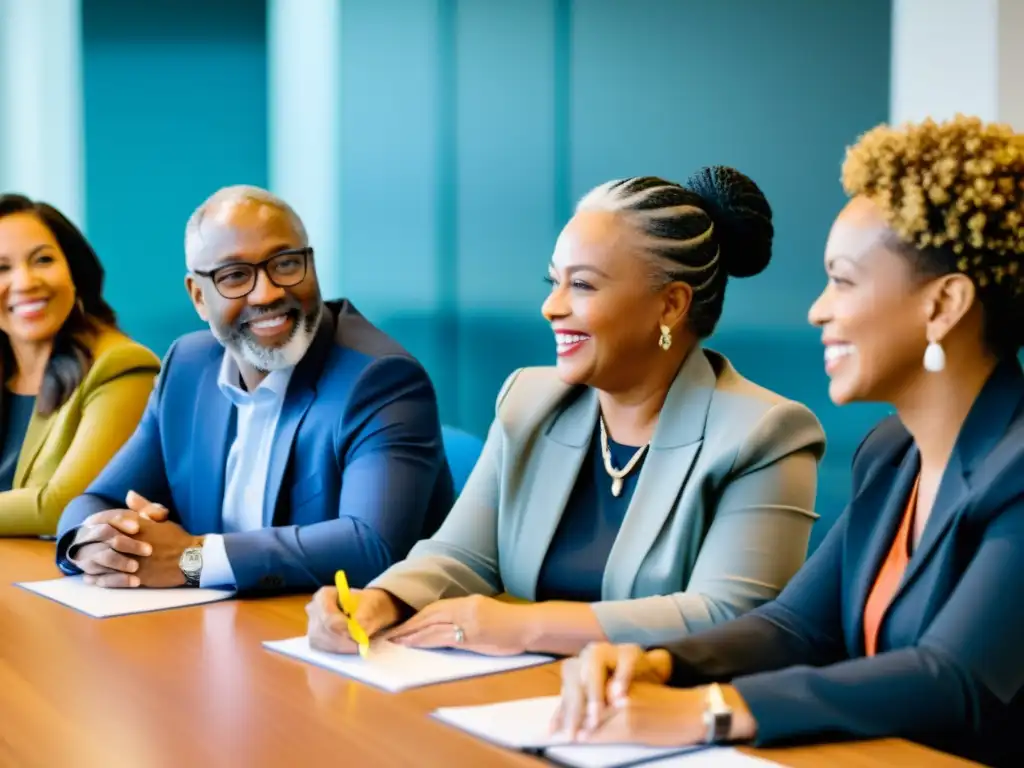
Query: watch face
[191, 559]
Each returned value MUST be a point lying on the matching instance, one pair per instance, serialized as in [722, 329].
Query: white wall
[41, 149]
[304, 124]
[952, 56]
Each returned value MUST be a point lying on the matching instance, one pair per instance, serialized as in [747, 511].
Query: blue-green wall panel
[776, 89]
[469, 127]
[539, 100]
[175, 107]
[507, 184]
[389, 153]
[393, 70]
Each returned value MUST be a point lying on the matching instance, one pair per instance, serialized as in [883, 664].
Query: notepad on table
[524, 724]
[397, 668]
[101, 602]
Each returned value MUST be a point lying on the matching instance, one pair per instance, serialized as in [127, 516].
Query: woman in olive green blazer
[74, 387]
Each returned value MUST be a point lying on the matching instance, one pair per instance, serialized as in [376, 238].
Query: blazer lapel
[296, 403]
[949, 500]
[674, 447]
[299, 397]
[559, 455]
[870, 536]
[215, 418]
[986, 423]
[38, 429]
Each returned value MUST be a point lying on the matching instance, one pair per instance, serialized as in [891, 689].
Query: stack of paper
[524, 724]
[397, 668]
[101, 603]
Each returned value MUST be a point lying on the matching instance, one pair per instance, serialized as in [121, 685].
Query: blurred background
[435, 148]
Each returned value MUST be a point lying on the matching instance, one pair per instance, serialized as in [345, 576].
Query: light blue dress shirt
[245, 476]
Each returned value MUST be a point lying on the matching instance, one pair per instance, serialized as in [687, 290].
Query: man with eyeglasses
[291, 440]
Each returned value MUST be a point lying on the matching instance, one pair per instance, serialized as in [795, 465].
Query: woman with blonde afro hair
[908, 620]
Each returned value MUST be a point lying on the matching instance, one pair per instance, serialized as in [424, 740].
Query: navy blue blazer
[357, 470]
[950, 663]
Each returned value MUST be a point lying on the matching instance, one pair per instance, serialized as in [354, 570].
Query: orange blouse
[888, 578]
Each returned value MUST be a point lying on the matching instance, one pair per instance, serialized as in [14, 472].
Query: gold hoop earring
[666, 338]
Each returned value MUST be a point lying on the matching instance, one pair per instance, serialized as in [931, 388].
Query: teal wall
[175, 107]
[470, 127]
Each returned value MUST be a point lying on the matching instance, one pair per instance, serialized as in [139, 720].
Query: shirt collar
[275, 385]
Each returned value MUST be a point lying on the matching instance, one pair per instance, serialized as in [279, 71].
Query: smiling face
[272, 326]
[602, 308]
[37, 292]
[874, 311]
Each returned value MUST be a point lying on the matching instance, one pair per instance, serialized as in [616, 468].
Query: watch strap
[717, 716]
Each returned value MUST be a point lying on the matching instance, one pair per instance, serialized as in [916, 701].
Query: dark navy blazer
[950, 664]
[357, 469]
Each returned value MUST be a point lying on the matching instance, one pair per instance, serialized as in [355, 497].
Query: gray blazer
[718, 524]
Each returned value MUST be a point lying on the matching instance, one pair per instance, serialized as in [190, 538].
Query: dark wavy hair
[71, 357]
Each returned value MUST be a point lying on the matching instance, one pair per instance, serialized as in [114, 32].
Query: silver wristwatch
[717, 716]
[191, 565]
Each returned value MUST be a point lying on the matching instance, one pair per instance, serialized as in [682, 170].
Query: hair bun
[742, 218]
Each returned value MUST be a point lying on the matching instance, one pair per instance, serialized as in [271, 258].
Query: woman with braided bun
[640, 489]
[907, 620]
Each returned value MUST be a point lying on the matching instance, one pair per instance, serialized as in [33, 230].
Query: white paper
[518, 724]
[397, 668]
[525, 724]
[616, 755]
[101, 603]
[718, 757]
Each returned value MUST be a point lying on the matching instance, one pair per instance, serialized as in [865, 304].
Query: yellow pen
[348, 606]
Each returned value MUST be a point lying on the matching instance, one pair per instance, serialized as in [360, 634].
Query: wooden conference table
[194, 687]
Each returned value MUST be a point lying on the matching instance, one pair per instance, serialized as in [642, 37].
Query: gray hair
[655, 222]
[717, 224]
[228, 197]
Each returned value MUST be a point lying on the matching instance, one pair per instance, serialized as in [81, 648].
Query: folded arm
[138, 466]
[391, 467]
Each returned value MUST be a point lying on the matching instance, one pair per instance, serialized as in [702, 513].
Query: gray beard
[244, 345]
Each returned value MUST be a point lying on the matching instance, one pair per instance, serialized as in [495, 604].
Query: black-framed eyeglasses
[238, 279]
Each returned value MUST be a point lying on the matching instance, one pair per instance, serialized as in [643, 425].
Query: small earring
[666, 338]
[934, 357]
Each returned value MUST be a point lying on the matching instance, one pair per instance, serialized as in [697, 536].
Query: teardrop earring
[934, 357]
